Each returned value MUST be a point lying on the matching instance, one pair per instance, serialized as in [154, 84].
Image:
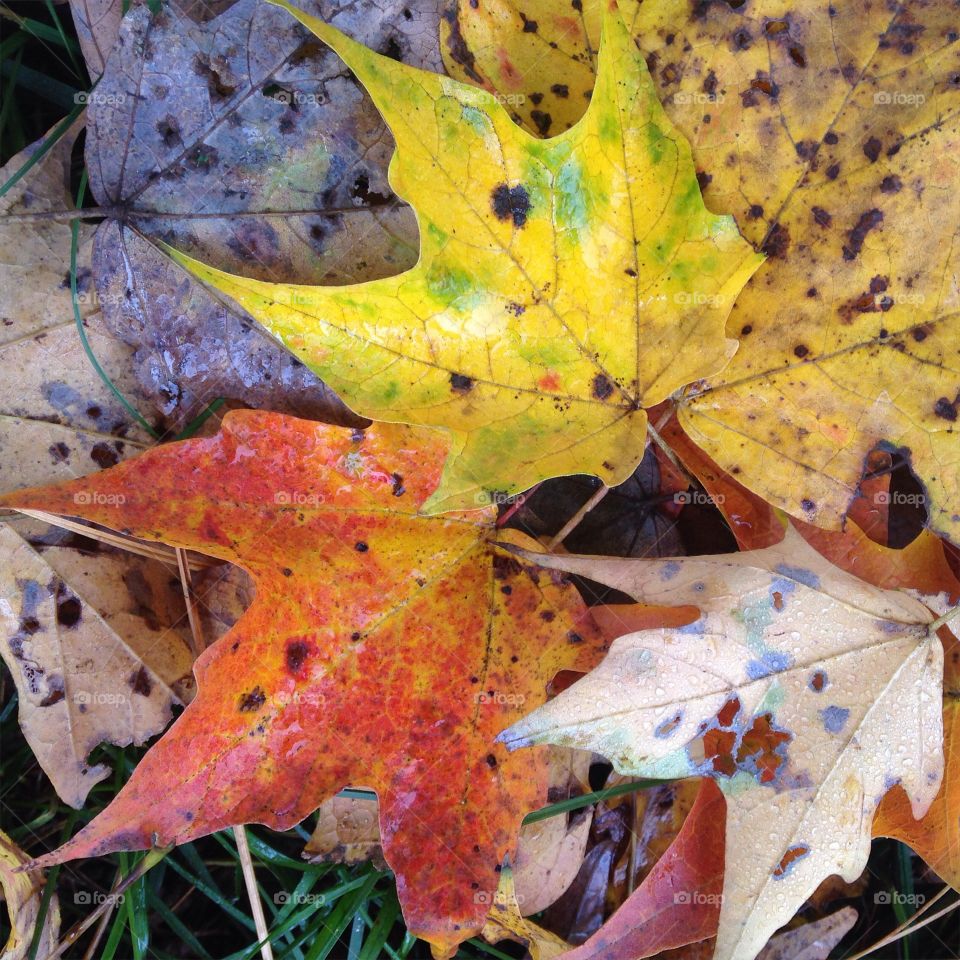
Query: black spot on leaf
[103, 455]
[777, 243]
[868, 221]
[543, 121]
[140, 682]
[821, 217]
[511, 203]
[602, 387]
[251, 702]
[946, 409]
[69, 608]
[296, 655]
[59, 452]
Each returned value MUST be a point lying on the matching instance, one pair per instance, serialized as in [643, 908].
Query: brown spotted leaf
[831, 131]
[89, 665]
[501, 334]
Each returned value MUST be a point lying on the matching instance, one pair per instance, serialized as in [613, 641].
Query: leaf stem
[654, 434]
[575, 520]
[908, 926]
[518, 502]
[940, 621]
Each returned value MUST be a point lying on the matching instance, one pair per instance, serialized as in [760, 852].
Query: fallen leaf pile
[704, 253]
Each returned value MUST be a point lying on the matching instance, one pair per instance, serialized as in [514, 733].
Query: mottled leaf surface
[832, 133]
[920, 566]
[384, 649]
[790, 689]
[57, 417]
[241, 141]
[92, 650]
[83, 679]
[502, 333]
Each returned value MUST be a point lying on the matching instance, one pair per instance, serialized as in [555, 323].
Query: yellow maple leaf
[563, 285]
[832, 133]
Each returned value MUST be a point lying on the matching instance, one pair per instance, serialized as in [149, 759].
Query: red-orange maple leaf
[384, 649]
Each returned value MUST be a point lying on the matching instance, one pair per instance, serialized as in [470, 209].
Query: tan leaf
[82, 680]
[791, 690]
[347, 831]
[550, 851]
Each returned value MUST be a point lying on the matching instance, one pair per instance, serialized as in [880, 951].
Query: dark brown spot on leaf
[602, 387]
[855, 238]
[821, 217]
[296, 655]
[69, 608]
[140, 682]
[777, 243]
[103, 455]
[251, 702]
[504, 567]
[543, 122]
[946, 409]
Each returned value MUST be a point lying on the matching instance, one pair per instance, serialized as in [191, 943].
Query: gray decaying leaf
[249, 146]
[98, 24]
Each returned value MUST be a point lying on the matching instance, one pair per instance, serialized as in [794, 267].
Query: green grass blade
[386, 918]
[586, 799]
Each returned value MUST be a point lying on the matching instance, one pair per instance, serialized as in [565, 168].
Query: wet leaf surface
[245, 144]
[831, 133]
[789, 690]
